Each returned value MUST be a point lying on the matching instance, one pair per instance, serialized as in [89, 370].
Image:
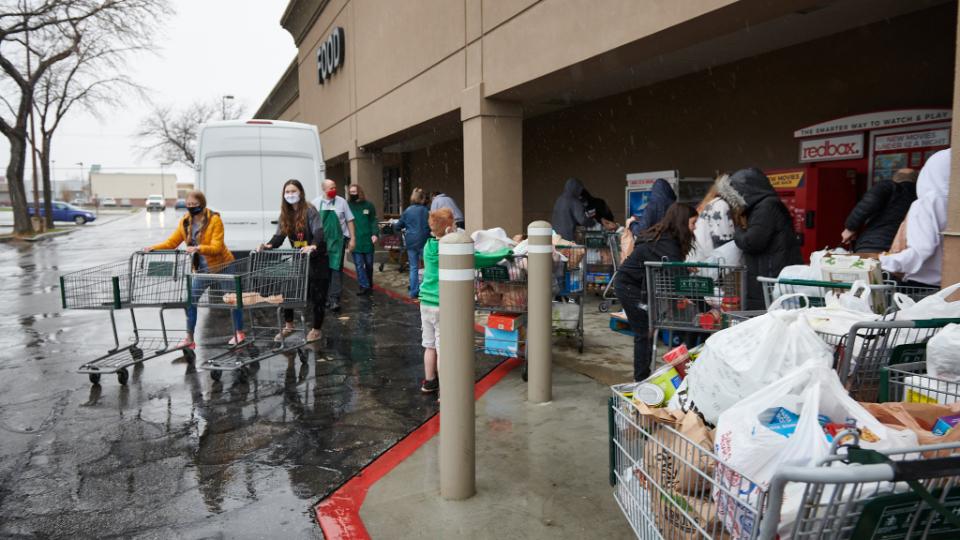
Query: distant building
[184, 187]
[132, 189]
[4, 191]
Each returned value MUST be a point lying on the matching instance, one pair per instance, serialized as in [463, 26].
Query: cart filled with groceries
[802, 421]
[391, 241]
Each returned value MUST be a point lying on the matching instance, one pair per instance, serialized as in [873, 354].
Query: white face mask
[292, 198]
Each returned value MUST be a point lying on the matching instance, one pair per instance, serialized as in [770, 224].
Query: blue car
[67, 212]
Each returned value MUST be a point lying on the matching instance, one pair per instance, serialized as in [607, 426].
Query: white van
[242, 166]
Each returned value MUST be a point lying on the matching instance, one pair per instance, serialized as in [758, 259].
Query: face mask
[292, 198]
[354, 198]
[194, 210]
[331, 193]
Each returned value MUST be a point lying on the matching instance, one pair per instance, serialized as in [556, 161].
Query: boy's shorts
[430, 325]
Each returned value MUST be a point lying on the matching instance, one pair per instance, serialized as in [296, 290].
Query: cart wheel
[523, 372]
[190, 355]
[580, 346]
[303, 355]
[253, 351]
[94, 378]
[136, 353]
[122, 376]
[243, 374]
[215, 374]
[604, 306]
[253, 366]
[381, 267]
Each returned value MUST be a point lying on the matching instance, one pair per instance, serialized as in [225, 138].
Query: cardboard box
[850, 268]
[506, 321]
[503, 342]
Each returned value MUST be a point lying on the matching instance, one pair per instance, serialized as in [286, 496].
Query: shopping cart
[692, 297]
[818, 291]
[569, 285]
[872, 345]
[670, 487]
[391, 240]
[598, 258]
[910, 382]
[269, 280]
[155, 280]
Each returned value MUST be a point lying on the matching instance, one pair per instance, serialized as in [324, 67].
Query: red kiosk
[841, 159]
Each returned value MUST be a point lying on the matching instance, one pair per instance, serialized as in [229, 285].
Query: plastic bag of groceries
[934, 306]
[858, 298]
[943, 354]
[787, 423]
[742, 359]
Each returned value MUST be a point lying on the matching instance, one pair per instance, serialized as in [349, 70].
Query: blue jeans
[364, 265]
[414, 256]
[198, 286]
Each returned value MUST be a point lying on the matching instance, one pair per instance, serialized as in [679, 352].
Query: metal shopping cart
[818, 291]
[270, 280]
[568, 274]
[870, 346]
[155, 280]
[692, 297]
[910, 382]
[391, 240]
[670, 487]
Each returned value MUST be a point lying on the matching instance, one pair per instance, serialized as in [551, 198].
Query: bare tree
[36, 35]
[77, 82]
[171, 135]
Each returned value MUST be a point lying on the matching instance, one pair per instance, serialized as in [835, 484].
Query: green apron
[333, 235]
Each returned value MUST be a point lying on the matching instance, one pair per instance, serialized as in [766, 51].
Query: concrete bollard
[539, 316]
[456, 364]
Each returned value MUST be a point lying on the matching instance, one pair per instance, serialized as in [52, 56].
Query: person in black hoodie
[661, 197]
[301, 224]
[569, 210]
[767, 238]
[880, 212]
[670, 239]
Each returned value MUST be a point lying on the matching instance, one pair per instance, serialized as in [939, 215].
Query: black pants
[317, 287]
[630, 296]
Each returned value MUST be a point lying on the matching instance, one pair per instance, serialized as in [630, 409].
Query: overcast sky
[208, 49]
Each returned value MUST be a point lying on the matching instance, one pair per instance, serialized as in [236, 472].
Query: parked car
[156, 202]
[66, 212]
[79, 201]
[180, 204]
[108, 201]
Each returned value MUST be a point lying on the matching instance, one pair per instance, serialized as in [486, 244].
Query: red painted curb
[339, 514]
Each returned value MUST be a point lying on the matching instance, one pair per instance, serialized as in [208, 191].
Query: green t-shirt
[430, 287]
[365, 222]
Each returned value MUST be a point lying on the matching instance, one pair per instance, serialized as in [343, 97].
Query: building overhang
[299, 17]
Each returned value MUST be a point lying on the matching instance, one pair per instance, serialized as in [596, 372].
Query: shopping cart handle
[926, 468]
[684, 264]
[814, 283]
[274, 222]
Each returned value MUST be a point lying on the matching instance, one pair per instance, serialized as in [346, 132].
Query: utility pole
[223, 106]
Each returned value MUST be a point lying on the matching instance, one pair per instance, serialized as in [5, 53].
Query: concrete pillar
[492, 162]
[951, 237]
[367, 171]
[539, 316]
[456, 355]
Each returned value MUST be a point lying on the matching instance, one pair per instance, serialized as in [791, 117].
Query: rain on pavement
[173, 453]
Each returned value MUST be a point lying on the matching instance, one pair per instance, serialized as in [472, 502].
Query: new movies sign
[832, 148]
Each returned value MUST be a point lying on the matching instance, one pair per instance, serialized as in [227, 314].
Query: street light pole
[223, 106]
[163, 187]
[88, 189]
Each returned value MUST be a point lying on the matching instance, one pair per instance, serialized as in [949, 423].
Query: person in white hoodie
[715, 226]
[920, 263]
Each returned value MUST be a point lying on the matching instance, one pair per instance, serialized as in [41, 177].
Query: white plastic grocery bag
[749, 449]
[858, 298]
[742, 359]
[943, 354]
[932, 307]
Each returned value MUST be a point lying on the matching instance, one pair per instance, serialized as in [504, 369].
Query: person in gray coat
[569, 211]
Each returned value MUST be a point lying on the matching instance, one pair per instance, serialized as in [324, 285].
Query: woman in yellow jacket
[202, 230]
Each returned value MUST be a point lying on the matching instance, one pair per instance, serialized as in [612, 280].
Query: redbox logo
[836, 148]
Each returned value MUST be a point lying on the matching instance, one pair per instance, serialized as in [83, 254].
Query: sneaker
[237, 338]
[429, 387]
[314, 334]
[284, 332]
[187, 344]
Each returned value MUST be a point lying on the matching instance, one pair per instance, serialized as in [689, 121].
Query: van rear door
[288, 152]
[231, 181]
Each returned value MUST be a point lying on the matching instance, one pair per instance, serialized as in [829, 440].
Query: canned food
[649, 394]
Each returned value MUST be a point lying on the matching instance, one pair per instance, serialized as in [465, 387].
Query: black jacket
[633, 273]
[311, 235]
[569, 211]
[661, 197]
[881, 210]
[769, 242]
[596, 208]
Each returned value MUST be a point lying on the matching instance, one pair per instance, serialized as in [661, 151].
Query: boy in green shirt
[441, 222]
[365, 221]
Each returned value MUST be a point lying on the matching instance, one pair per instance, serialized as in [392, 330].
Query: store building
[132, 189]
[497, 102]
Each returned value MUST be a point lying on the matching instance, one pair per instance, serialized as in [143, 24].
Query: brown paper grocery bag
[917, 417]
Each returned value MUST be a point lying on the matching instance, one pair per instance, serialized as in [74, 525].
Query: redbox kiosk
[841, 159]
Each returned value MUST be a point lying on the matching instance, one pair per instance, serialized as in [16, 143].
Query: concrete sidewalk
[541, 472]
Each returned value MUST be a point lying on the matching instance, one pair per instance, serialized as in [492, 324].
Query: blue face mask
[194, 210]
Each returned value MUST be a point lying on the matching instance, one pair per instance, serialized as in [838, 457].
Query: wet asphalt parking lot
[174, 454]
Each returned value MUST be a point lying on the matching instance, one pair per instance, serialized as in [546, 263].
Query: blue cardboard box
[498, 342]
